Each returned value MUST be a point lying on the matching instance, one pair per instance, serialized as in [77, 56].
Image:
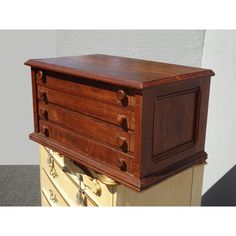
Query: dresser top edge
[122, 71]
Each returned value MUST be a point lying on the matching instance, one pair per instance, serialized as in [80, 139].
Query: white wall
[181, 47]
[176, 46]
[220, 55]
[16, 119]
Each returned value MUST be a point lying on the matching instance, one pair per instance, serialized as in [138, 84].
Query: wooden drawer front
[84, 88]
[100, 110]
[86, 125]
[95, 190]
[86, 146]
[52, 195]
[73, 194]
[44, 200]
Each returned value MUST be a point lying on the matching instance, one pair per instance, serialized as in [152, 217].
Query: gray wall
[220, 55]
[16, 120]
[211, 49]
[176, 46]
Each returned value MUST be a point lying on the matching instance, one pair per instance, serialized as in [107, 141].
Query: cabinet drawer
[52, 195]
[44, 200]
[85, 88]
[55, 164]
[98, 151]
[100, 110]
[73, 194]
[86, 125]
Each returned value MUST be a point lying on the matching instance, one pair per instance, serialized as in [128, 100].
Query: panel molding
[186, 145]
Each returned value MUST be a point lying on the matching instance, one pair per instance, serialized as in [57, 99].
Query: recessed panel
[175, 122]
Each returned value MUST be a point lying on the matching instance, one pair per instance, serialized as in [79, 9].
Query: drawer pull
[80, 197]
[122, 143]
[45, 131]
[66, 170]
[43, 96]
[121, 119]
[44, 114]
[40, 76]
[122, 97]
[121, 94]
[53, 172]
[122, 164]
[97, 190]
[53, 197]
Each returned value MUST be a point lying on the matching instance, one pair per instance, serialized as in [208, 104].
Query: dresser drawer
[44, 200]
[122, 117]
[56, 166]
[86, 125]
[85, 88]
[73, 194]
[50, 192]
[98, 151]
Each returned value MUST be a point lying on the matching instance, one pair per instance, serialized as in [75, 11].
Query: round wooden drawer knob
[121, 119]
[41, 77]
[45, 131]
[44, 114]
[43, 96]
[121, 142]
[121, 95]
[122, 164]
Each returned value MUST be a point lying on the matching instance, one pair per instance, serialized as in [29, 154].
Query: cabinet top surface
[128, 72]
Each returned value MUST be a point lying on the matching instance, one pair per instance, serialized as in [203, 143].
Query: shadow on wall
[223, 192]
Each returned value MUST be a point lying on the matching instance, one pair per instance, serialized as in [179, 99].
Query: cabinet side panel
[196, 195]
[174, 191]
[205, 89]
[173, 127]
[175, 122]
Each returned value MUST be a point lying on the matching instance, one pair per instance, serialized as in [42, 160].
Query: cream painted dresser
[65, 184]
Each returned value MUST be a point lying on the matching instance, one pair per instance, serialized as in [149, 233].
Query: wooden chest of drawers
[135, 121]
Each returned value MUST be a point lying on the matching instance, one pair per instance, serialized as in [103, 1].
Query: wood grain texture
[136, 121]
[119, 70]
[89, 89]
[100, 110]
[87, 125]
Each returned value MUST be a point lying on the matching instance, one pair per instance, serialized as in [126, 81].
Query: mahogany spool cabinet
[135, 121]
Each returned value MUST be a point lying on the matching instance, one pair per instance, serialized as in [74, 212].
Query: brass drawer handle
[80, 196]
[97, 188]
[92, 184]
[53, 197]
[51, 163]
[53, 172]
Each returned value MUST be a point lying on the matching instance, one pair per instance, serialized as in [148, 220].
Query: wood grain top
[128, 72]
